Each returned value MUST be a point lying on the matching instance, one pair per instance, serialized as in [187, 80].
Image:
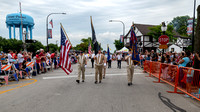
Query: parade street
[57, 92]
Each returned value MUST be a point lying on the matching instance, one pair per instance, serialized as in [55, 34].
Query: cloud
[77, 20]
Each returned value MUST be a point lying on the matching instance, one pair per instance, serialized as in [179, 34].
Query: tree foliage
[83, 46]
[156, 32]
[53, 47]
[33, 47]
[10, 44]
[118, 45]
[180, 24]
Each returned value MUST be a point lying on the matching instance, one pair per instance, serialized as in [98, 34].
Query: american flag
[51, 22]
[89, 49]
[65, 61]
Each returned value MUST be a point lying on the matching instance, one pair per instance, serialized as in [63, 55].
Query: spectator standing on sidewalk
[183, 62]
[42, 56]
[1, 56]
[10, 57]
[38, 62]
[154, 56]
[20, 58]
[196, 61]
[119, 59]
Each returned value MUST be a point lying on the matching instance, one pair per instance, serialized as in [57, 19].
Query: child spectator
[26, 71]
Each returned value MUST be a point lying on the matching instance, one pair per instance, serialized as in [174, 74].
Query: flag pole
[65, 33]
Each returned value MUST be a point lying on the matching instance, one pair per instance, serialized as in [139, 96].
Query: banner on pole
[190, 26]
[49, 33]
[121, 38]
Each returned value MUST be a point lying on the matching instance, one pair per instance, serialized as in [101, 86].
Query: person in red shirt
[53, 59]
[38, 61]
[43, 60]
[14, 55]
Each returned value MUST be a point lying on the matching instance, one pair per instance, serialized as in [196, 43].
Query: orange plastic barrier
[155, 68]
[147, 66]
[185, 79]
[189, 81]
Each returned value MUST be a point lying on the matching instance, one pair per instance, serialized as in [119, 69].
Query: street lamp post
[193, 26]
[164, 29]
[47, 27]
[121, 22]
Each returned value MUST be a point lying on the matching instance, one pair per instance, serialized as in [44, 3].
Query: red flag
[89, 48]
[51, 22]
[65, 61]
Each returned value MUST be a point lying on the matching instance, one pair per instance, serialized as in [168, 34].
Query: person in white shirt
[10, 57]
[20, 58]
[48, 57]
[119, 59]
[92, 59]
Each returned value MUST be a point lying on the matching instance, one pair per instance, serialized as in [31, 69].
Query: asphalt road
[56, 92]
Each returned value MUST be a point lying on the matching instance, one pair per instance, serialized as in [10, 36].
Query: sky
[76, 22]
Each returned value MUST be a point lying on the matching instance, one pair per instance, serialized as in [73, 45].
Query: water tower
[14, 20]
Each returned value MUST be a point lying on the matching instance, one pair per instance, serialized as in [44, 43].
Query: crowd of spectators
[43, 61]
[184, 59]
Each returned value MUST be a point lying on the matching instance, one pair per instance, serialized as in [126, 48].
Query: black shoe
[83, 81]
[99, 81]
[95, 82]
[129, 84]
[103, 77]
[77, 81]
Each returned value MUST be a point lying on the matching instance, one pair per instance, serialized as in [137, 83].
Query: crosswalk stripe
[62, 77]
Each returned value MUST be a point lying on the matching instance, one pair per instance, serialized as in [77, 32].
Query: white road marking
[62, 77]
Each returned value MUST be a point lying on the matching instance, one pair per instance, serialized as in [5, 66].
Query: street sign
[163, 39]
[163, 46]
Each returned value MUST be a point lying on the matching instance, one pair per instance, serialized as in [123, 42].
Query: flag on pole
[133, 45]
[51, 22]
[65, 61]
[94, 40]
[89, 48]
[108, 54]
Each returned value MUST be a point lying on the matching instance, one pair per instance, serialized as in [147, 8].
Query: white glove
[104, 64]
[85, 66]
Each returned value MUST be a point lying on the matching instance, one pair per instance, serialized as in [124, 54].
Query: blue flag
[133, 45]
[108, 53]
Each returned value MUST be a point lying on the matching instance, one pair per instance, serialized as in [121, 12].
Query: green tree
[118, 45]
[156, 32]
[53, 47]
[10, 44]
[83, 46]
[180, 24]
[33, 47]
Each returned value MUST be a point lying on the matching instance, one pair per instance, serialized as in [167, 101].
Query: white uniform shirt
[20, 58]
